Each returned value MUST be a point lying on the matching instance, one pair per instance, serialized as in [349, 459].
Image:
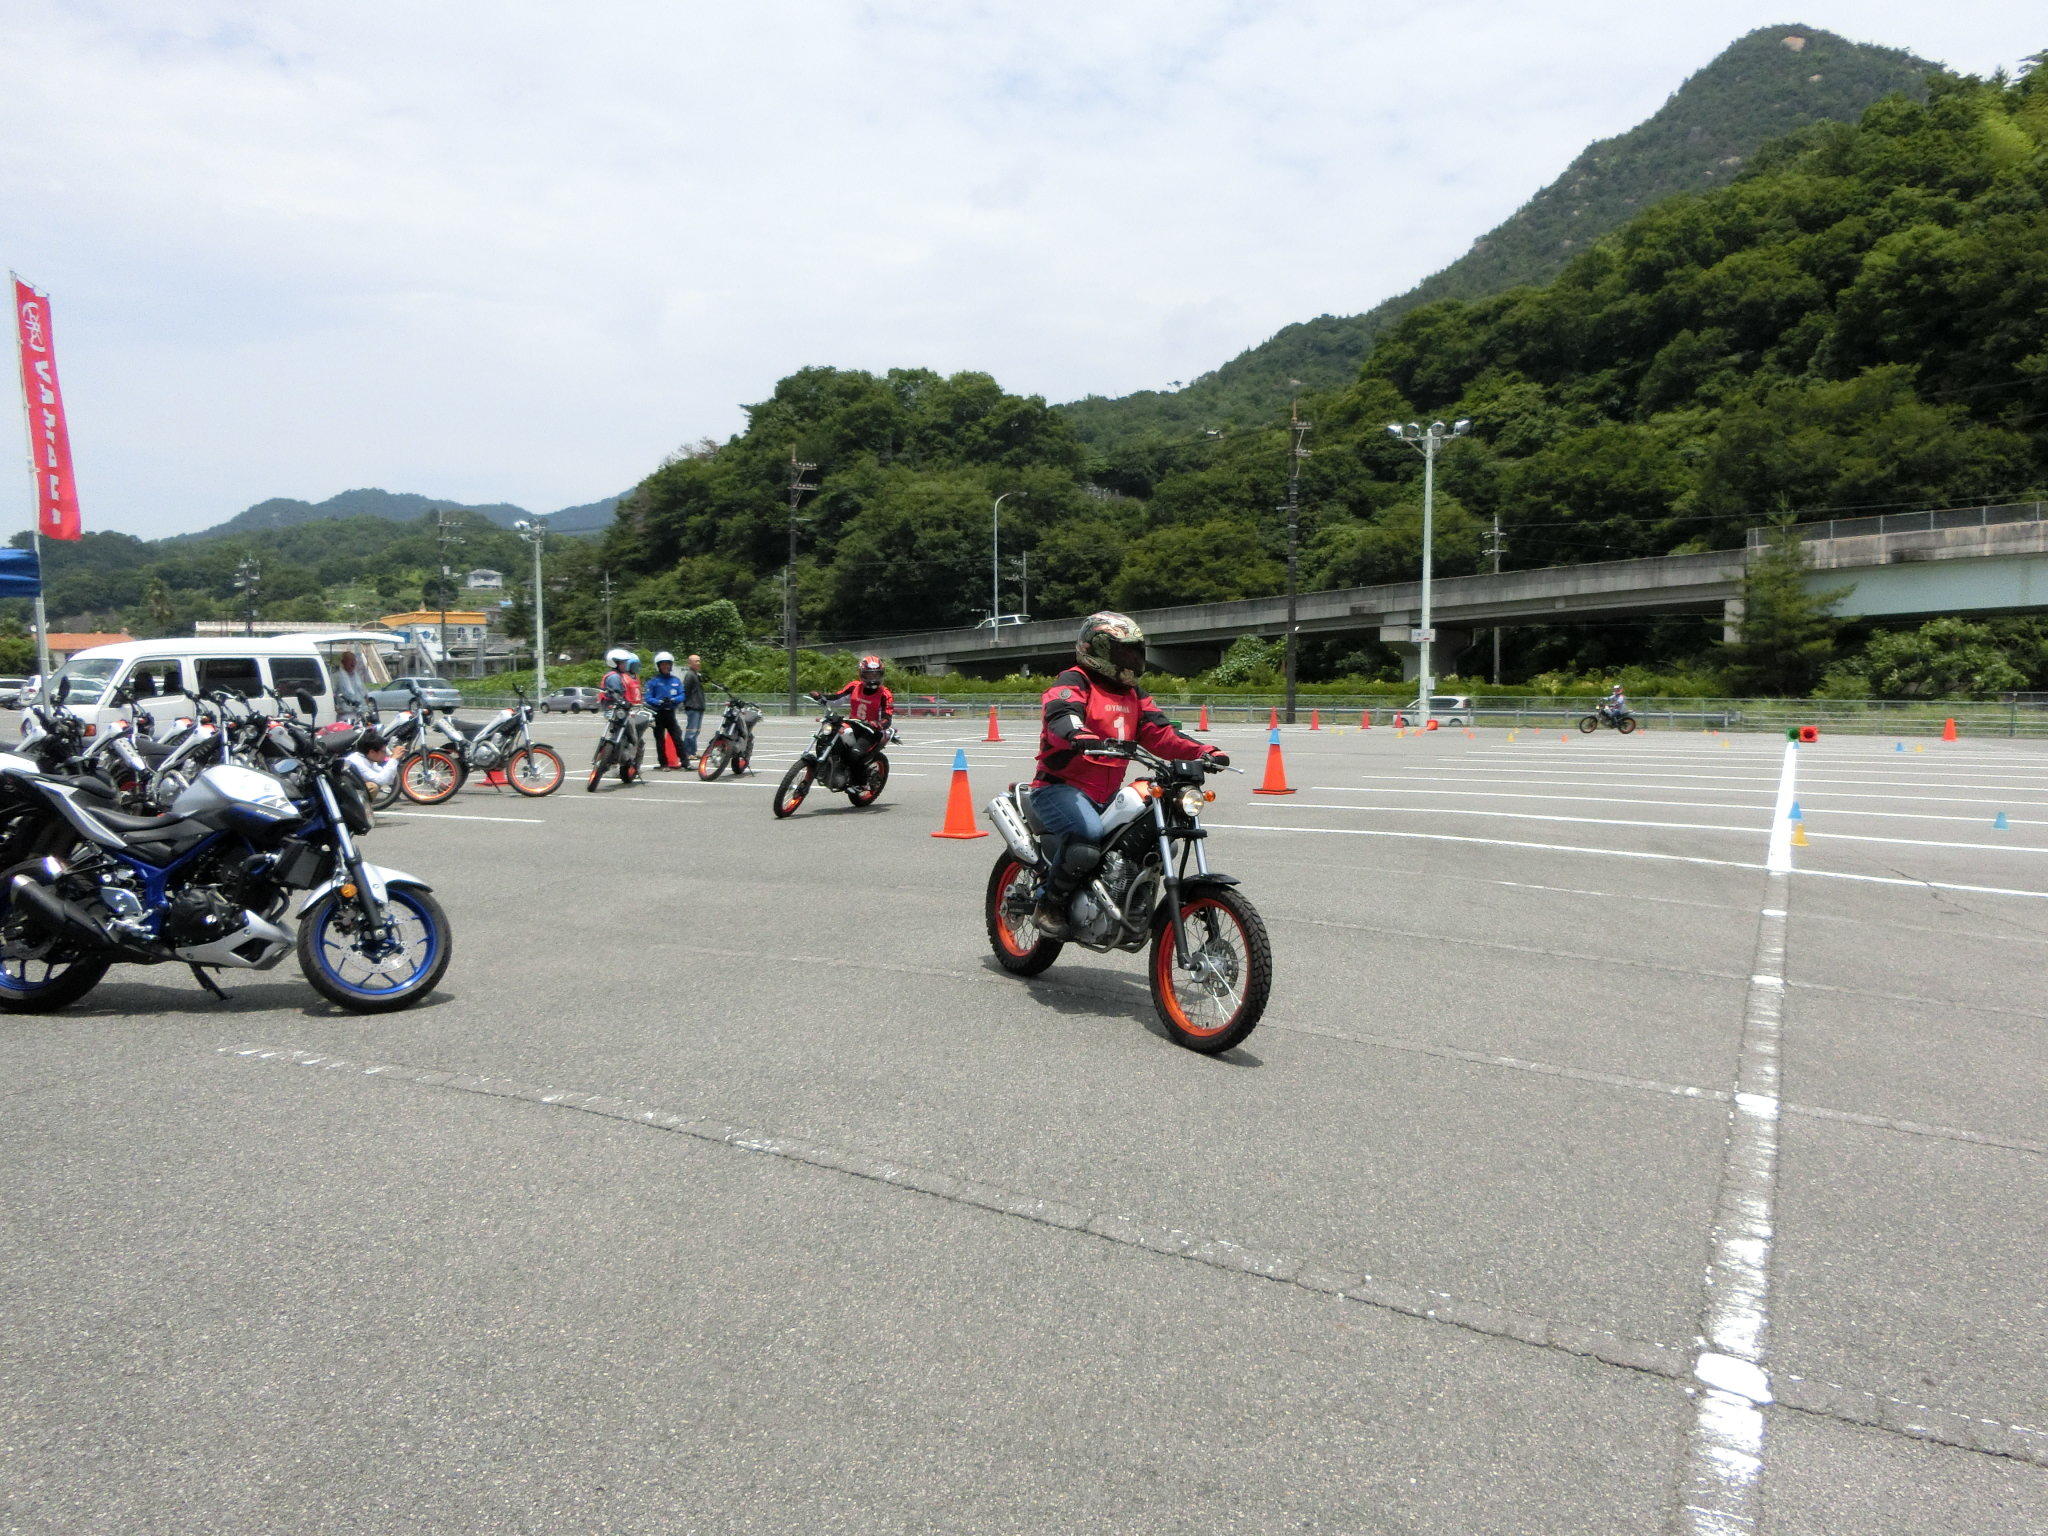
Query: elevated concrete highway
[1978, 560]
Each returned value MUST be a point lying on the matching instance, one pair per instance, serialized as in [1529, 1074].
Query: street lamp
[535, 532]
[995, 564]
[1426, 441]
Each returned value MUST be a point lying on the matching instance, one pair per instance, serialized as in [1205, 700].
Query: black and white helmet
[1112, 646]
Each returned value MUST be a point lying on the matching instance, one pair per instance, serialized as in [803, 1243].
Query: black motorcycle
[623, 744]
[1621, 719]
[1212, 963]
[845, 756]
[209, 883]
[732, 744]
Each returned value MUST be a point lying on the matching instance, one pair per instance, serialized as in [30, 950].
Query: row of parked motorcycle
[121, 845]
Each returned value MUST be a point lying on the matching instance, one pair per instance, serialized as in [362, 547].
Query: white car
[1444, 709]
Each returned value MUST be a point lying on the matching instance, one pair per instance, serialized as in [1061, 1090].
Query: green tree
[159, 608]
[1942, 659]
[712, 630]
[1787, 633]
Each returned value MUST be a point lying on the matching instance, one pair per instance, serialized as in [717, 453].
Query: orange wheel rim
[1003, 931]
[1163, 970]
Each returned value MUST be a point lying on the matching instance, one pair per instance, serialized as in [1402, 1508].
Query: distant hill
[1765, 85]
[398, 507]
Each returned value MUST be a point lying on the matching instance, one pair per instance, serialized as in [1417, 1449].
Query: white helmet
[667, 656]
[618, 655]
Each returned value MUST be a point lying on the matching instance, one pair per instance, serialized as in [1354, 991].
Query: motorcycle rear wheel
[796, 783]
[535, 771]
[1626, 724]
[1213, 1009]
[871, 790]
[429, 778]
[39, 984]
[1019, 947]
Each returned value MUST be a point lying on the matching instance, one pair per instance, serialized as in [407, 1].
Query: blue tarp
[20, 575]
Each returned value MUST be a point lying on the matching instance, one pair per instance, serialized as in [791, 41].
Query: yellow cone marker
[1799, 834]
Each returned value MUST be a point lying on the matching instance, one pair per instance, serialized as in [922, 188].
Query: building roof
[421, 616]
[80, 642]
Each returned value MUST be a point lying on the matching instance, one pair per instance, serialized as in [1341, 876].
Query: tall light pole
[995, 563]
[535, 532]
[249, 582]
[1295, 454]
[1426, 441]
[797, 486]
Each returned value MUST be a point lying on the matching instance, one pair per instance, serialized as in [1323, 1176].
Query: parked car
[397, 694]
[1003, 621]
[159, 674]
[571, 701]
[11, 690]
[925, 704]
[1444, 708]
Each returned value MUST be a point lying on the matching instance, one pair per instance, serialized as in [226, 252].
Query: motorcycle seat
[153, 750]
[144, 829]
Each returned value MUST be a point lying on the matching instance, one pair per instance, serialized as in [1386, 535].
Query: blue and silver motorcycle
[210, 884]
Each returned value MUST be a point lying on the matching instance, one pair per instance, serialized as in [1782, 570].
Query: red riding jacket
[1081, 705]
[876, 706]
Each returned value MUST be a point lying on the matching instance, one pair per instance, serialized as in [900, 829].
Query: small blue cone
[959, 759]
[1898, 746]
[1795, 812]
[1274, 739]
[2000, 824]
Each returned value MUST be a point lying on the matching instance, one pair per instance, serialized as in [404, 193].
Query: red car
[925, 704]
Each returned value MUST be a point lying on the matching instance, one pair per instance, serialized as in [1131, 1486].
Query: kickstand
[208, 982]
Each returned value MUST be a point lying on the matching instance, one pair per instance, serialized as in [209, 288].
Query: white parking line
[518, 821]
[1457, 810]
[1780, 855]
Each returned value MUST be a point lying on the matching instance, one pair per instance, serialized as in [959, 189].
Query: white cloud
[518, 252]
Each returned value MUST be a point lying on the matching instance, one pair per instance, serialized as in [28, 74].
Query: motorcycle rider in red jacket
[872, 707]
[1096, 701]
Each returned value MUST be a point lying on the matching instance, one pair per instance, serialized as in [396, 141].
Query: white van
[167, 670]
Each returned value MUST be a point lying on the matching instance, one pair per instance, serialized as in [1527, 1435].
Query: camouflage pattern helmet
[1112, 646]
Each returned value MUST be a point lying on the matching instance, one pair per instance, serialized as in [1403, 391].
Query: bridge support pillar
[1450, 645]
[1731, 620]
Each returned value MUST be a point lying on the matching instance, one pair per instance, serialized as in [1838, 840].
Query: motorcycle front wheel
[711, 761]
[871, 791]
[428, 778]
[1590, 724]
[349, 971]
[1019, 947]
[600, 760]
[629, 765]
[535, 771]
[796, 783]
[38, 973]
[1214, 1001]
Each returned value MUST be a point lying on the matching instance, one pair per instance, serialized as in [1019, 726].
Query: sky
[522, 251]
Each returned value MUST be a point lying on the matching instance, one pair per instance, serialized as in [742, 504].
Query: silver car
[397, 694]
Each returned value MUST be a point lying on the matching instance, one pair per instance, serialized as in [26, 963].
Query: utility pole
[605, 588]
[1493, 548]
[248, 582]
[797, 486]
[1024, 584]
[1426, 441]
[1295, 454]
[535, 532]
[444, 536]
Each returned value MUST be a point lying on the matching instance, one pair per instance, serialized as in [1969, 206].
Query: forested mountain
[397, 507]
[1859, 321]
[1765, 85]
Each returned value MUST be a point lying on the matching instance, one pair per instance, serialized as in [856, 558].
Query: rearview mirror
[306, 703]
[63, 689]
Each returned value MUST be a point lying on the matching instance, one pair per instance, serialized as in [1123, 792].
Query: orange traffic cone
[1948, 731]
[495, 779]
[669, 757]
[995, 732]
[1205, 719]
[959, 802]
[1365, 719]
[1273, 719]
[1431, 724]
[1315, 719]
[1276, 770]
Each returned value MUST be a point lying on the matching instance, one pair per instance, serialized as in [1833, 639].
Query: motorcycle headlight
[1191, 800]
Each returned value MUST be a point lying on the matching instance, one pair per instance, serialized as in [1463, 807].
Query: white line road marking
[1780, 855]
[1721, 1490]
[1454, 810]
[518, 821]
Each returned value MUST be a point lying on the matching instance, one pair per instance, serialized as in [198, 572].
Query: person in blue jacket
[664, 697]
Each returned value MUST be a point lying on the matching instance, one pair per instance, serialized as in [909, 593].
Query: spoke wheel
[711, 761]
[1214, 1001]
[871, 791]
[535, 771]
[1590, 724]
[1626, 727]
[350, 970]
[38, 972]
[428, 778]
[1019, 947]
[796, 783]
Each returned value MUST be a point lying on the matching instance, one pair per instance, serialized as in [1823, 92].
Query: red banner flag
[49, 440]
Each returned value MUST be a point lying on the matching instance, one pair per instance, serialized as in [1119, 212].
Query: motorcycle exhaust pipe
[65, 917]
[1002, 812]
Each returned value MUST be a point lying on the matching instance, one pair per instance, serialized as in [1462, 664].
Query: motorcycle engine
[199, 914]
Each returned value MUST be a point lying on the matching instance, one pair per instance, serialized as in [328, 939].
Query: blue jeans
[1068, 817]
[692, 719]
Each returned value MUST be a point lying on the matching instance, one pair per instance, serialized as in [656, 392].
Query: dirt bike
[839, 759]
[623, 744]
[1211, 965]
[499, 745]
[732, 744]
[1621, 720]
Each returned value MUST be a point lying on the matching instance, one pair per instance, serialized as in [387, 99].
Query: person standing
[664, 694]
[693, 707]
[351, 690]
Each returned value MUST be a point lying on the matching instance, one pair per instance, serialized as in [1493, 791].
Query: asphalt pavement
[728, 1186]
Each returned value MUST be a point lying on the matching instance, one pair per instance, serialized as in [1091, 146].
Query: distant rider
[621, 688]
[871, 706]
[1615, 705]
[1095, 702]
[665, 694]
